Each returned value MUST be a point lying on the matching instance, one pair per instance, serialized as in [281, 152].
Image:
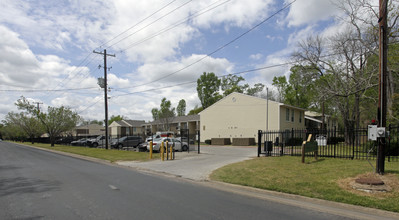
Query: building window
[292, 115]
[287, 115]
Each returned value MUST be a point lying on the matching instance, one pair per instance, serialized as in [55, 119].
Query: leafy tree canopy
[181, 108]
[56, 121]
[208, 89]
[115, 118]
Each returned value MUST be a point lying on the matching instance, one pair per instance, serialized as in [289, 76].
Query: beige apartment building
[241, 116]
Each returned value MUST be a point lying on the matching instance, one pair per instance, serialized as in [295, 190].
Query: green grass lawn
[110, 155]
[317, 179]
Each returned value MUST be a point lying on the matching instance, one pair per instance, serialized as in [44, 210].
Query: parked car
[64, 140]
[178, 145]
[99, 141]
[142, 147]
[127, 141]
[80, 142]
[184, 139]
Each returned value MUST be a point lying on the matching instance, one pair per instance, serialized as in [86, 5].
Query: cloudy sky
[161, 47]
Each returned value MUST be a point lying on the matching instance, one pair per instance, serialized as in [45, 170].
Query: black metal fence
[119, 141]
[348, 144]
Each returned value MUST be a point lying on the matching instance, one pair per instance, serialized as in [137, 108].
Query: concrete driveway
[196, 166]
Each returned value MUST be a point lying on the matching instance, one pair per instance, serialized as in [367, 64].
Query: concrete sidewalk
[196, 166]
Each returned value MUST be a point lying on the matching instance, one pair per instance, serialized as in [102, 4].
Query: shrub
[294, 142]
[392, 149]
[208, 142]
[335, 140]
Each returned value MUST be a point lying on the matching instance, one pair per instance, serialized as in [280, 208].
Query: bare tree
[343, 62]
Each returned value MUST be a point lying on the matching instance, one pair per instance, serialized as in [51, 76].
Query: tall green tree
[155, 113]
[55, 122]
[252, 91]
[196, 110]
[208, 89]
[115, 118]
[233, 83]
[11, 131]
[181, 108]
[90, 122]
[29, 124]
[165, 113]
[280, 82]
[230, 84]
[301, 92]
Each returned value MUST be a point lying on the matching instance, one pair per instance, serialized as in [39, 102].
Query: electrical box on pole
[101, 82]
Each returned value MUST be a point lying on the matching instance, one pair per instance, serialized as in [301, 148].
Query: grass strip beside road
[109, 155]
[316, 179]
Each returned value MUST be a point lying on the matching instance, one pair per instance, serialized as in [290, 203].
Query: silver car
[178, 145]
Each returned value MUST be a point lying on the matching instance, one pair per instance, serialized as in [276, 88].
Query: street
[36, 184]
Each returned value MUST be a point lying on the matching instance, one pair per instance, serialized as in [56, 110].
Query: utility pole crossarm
[102, 53]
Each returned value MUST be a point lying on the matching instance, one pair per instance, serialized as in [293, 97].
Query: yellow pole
[150, 149]
[167, 150]
[161, 151]
[171, 152]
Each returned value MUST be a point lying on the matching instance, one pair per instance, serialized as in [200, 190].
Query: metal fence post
[259, 142]
[199, 140]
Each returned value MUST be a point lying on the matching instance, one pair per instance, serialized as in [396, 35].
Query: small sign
[311, 146]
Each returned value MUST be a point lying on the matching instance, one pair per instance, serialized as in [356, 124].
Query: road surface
[36, 184]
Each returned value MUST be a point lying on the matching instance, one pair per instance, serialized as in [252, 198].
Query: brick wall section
[220, 141]
[243, 141]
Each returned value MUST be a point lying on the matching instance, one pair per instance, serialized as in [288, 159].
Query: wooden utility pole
[105, 93]
[382, 91]
[38, 106]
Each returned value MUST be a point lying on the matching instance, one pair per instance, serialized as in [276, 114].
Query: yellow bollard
[150, 149]
[161, 151]
[167, 150]
[171, 152]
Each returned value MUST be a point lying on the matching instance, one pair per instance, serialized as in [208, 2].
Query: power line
[220, 48]
[80, 64]
[220, 76]
[141, 21]
[69, 77]
[190, 82]
[151, 23]
[89, 106]
[44, 90]
[194, 15]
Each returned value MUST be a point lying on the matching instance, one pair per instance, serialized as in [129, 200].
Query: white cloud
[43, 42]
[257, 56]
[310, 12]
[234, 13]
[187, 69]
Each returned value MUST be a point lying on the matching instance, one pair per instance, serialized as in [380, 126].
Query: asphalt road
[36, 184]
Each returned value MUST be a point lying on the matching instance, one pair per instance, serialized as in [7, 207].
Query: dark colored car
[80, 142]
[127, 141]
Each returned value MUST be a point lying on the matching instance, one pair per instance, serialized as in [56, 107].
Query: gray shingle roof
[177, 119]
[134, 123]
